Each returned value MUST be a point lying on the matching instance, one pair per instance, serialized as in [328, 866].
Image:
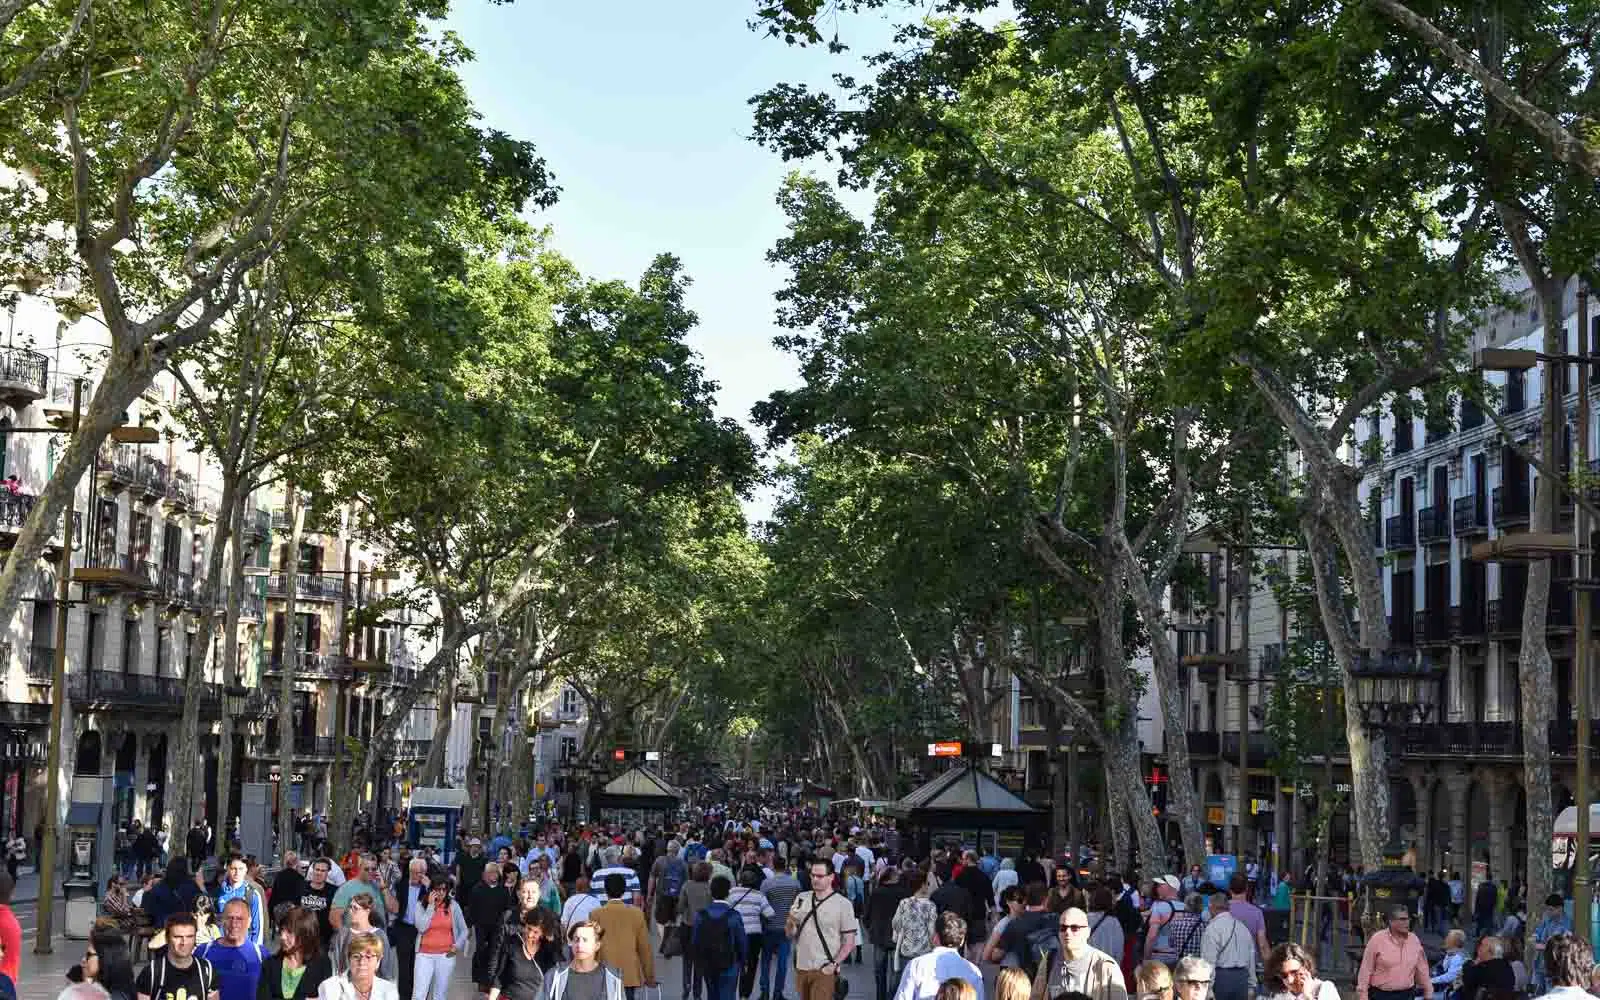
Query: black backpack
[715, 950]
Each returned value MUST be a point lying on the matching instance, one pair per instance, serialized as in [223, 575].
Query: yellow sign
[538, 789]
[1214, 816]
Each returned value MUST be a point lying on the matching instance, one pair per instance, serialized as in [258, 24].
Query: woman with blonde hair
[360, 980]
[1012, 984]
[1152, 980]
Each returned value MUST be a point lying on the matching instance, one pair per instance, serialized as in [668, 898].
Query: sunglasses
[1194, 982]
[1074, 927]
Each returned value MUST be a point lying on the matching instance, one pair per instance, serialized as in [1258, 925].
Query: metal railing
[1469, 515]
[1399, 532]
[153, 475]
[15, 508]
[308, 664]
[309, 586]
[1433, 524]
[25, 368]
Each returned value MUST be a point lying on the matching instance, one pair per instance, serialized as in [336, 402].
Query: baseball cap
[475, 842]
[1171, 882]
[765, 844]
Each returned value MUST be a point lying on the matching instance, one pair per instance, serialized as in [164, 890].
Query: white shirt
[865, 854]
[923, 974]
[336, 876]
[578, 908]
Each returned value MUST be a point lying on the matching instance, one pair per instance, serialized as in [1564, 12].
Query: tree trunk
[288, 660]
[186, 752]
[454, 632]
[443, 718]
[1185, 804]
[1117, 821]
[230, 668]
[1535, 673]
[1054, 732]
[1369, 803]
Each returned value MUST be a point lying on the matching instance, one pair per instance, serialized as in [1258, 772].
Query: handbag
[672, 941]
[841, 988]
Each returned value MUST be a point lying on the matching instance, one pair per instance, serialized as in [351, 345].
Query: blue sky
[640, 109]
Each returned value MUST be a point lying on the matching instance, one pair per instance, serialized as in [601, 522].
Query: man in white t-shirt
[579, 905]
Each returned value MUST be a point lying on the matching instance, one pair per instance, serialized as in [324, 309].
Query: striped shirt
[598, 881]
[780, 890]
[753, 908]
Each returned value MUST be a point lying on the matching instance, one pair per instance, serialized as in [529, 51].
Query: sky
[640, 109]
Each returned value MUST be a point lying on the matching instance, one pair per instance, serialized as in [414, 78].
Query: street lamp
[1528, 546]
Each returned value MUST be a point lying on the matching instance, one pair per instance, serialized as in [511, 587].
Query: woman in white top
[360, 980]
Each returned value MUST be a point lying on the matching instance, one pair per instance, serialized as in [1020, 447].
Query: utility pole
[1582, 594]
[43, 937]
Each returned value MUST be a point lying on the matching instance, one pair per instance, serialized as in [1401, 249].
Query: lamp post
[43, 943]
[1528, 545]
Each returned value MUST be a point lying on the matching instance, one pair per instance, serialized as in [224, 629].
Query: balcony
[1433, 524]
[24, 376]
[1400, 533]
[122, 571]
[310, 665]
[1462, 739]
[411, 749]
[181, 495]
[308, 587]
[305, 746]
[1510, 505]
[1469, 516]
[1432, 627]
[177, 588]
[1204, 744]
[281, 520]
[118, 468]
[252, 608]
[257, 523]
[57, 405]
[41, 665]
[14, 510]
[1262, 748]
[1564, 736]
[144, 692]
[153, 478]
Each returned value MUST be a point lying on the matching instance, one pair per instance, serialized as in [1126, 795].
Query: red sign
[619, 754]
[948, 748]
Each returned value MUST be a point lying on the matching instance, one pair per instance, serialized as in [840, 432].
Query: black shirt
[161, 980]
[469, 872]
[1495, 974]
[320, 902]
[287, 887]
[518, 976]
[951, 896]
[486, 904]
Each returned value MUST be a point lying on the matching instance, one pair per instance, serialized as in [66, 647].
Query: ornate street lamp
[1395, 689]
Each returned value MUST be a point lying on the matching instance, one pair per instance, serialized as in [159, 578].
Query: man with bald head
[1077, 966]
[236, 958]
[412, 887]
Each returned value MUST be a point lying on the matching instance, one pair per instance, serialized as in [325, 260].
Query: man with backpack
[719, 944]
[1031, 936]
[667, 875]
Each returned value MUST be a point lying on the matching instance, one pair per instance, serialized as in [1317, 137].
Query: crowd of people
[774, 909]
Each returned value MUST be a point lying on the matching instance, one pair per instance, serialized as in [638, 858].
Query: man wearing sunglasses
[1077, 967]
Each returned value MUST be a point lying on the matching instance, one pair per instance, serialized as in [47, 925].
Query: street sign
[956, 748]
[947, 748]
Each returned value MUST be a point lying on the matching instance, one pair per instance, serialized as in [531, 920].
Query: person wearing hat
[469, 868]
[1158, 942]
[1554, 922]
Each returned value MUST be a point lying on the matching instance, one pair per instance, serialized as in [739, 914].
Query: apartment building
[1446, 480]
[138, 615]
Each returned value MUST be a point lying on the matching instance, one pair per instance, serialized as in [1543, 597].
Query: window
[105, 536]
[569, 748]
[139, 536]
[1516, 392]
[1402, 429]
[130, 646]
[91, 639]
[163, 658]
[569, 702]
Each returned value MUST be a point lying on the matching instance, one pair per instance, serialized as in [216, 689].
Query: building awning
[962, 789]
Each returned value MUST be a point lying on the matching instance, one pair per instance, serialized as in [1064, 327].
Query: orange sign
[948, 748]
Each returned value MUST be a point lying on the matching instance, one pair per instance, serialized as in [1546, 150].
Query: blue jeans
[775, 947]
[725, 986]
